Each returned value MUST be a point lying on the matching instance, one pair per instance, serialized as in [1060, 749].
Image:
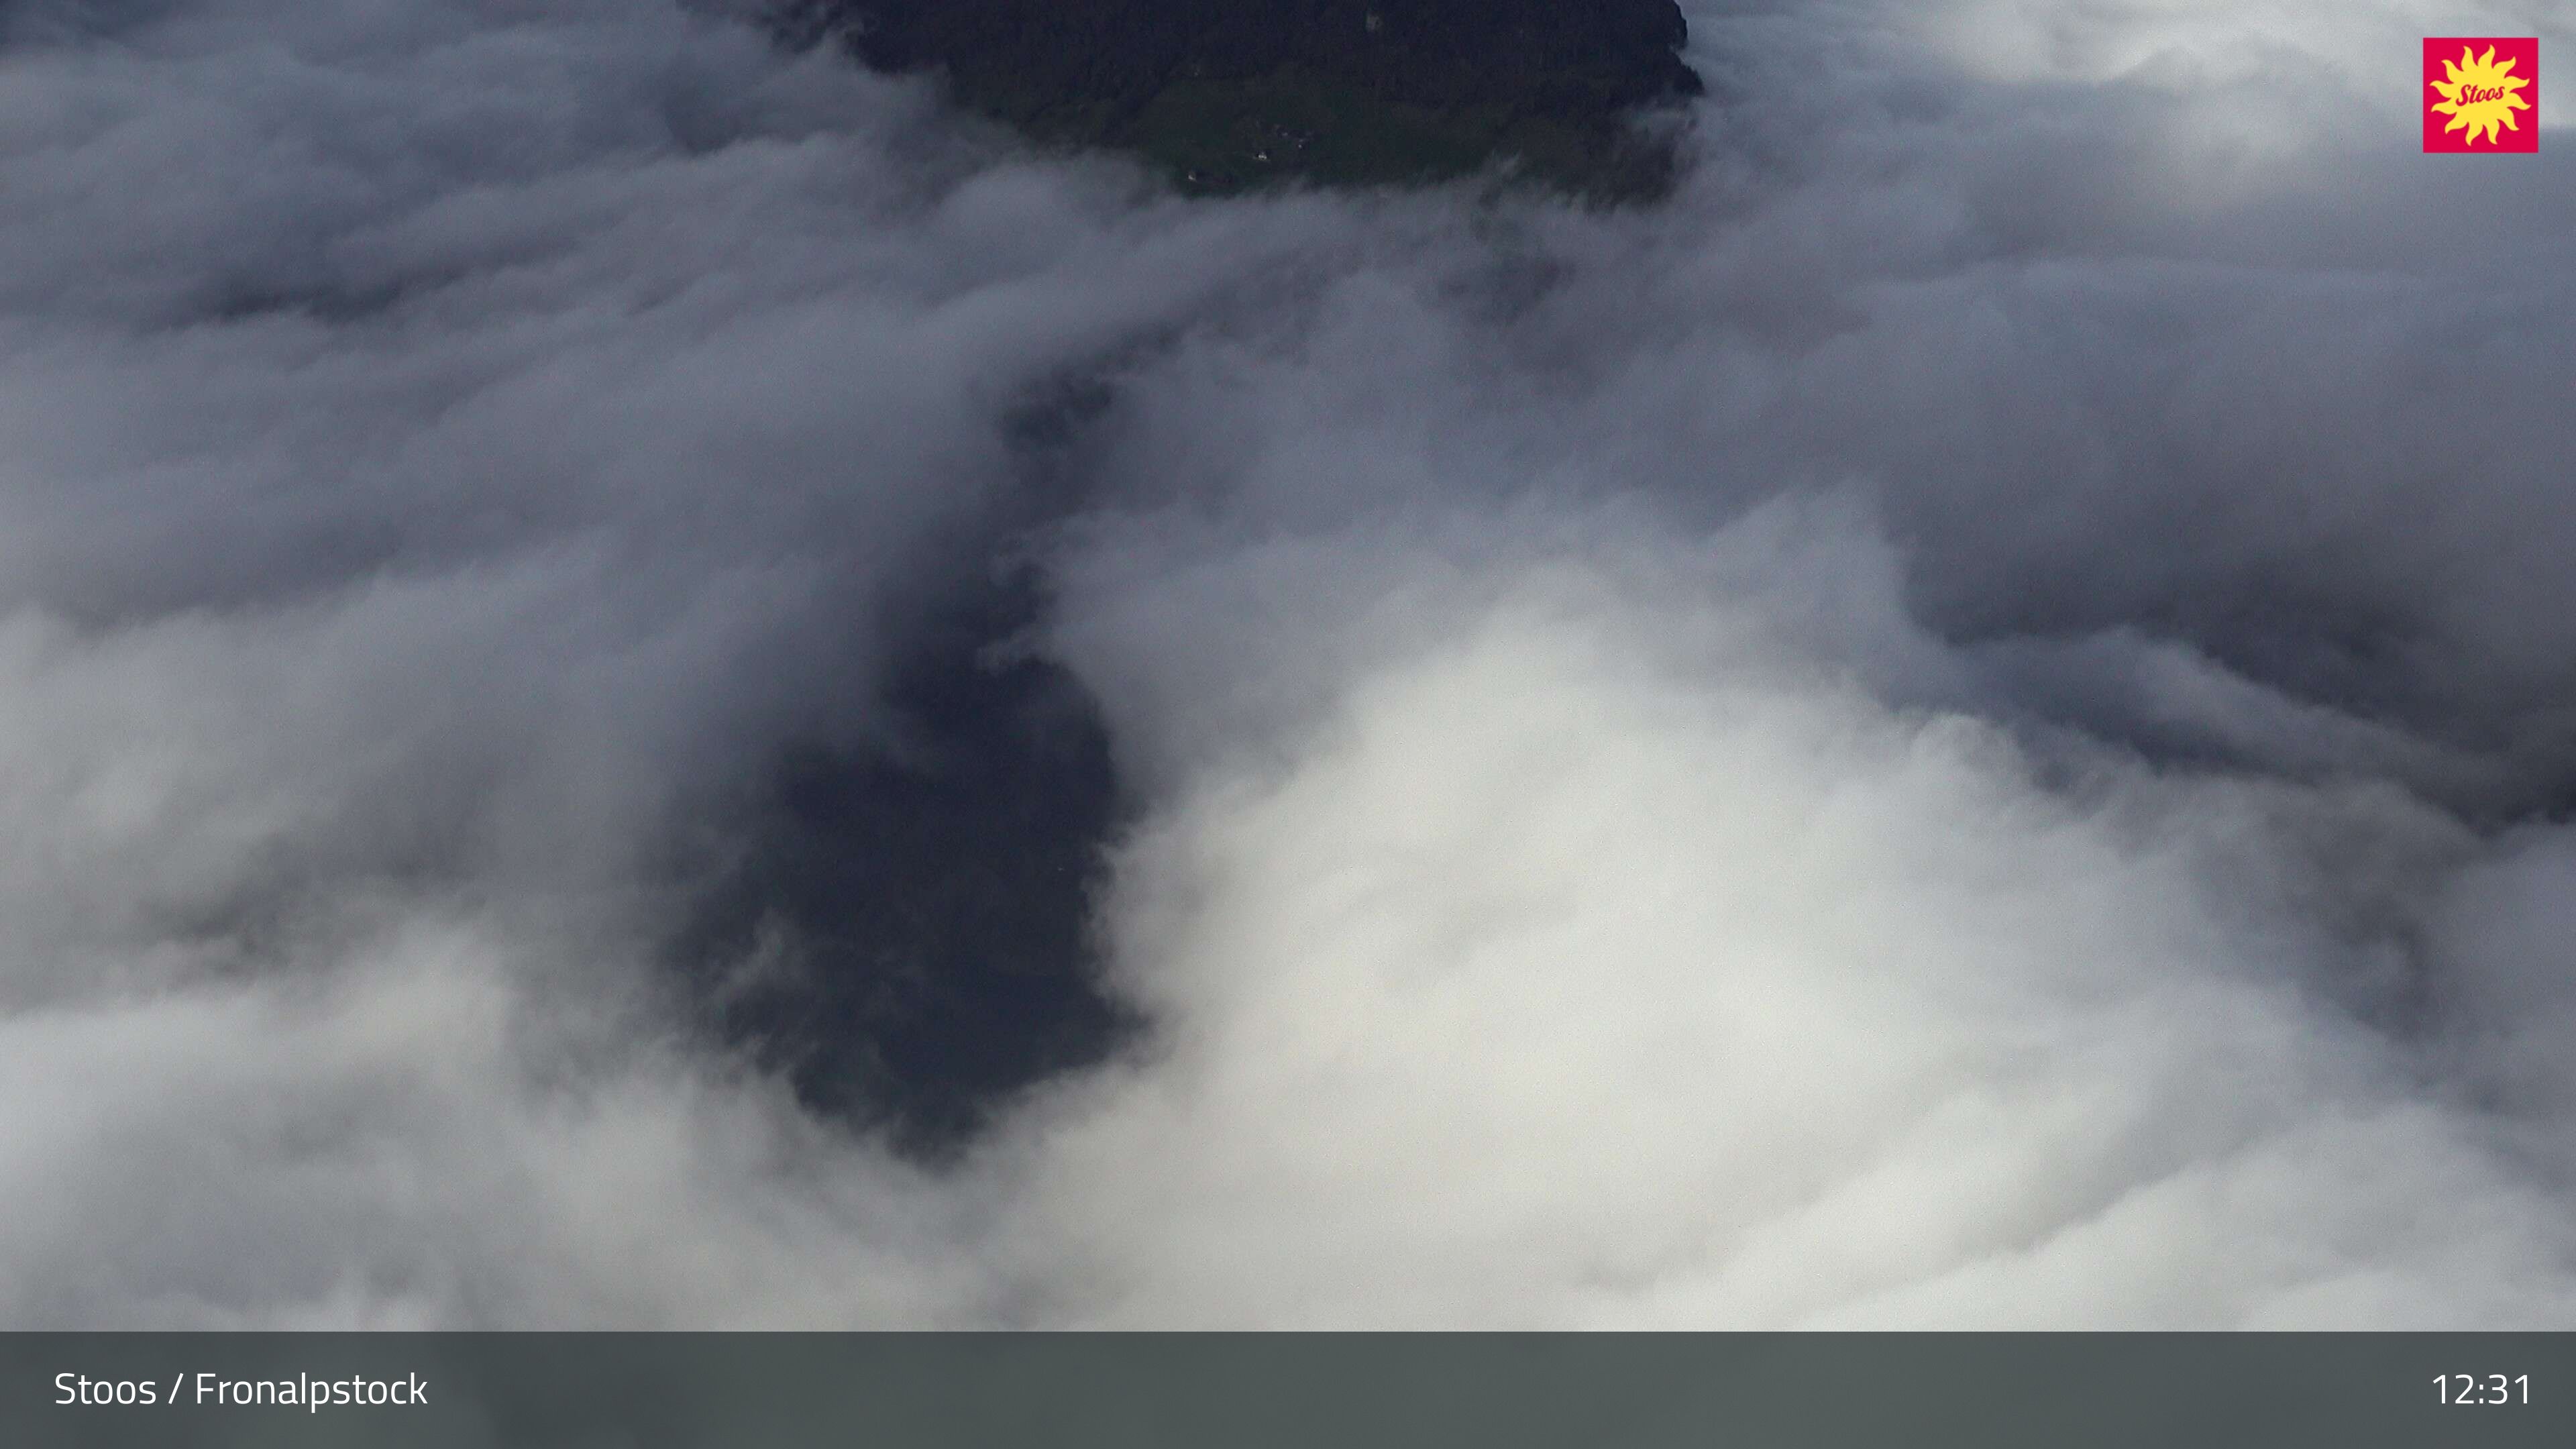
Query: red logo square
[2481, 93]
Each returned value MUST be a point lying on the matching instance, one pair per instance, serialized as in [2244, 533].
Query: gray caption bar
[1326, 1391]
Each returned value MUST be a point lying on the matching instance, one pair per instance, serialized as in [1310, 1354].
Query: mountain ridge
[1263, 92]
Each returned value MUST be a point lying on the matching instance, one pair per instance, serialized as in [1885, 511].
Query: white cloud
[1962, 726]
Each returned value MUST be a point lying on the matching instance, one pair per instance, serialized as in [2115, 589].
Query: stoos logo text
[2481, 93]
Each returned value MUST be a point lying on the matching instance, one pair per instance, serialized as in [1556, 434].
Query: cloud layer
[1970, 724]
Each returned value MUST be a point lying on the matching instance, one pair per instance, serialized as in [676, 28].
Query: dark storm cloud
[1965, 725]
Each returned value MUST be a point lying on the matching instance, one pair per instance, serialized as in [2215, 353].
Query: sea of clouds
[1971, 723]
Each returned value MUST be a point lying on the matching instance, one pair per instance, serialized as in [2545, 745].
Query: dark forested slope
[1235, 93]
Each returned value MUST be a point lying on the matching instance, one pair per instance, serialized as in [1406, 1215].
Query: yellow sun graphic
[2480, 95]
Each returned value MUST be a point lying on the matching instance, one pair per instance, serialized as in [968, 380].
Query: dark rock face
[1234, 93]
[897, 915]
[924, 901]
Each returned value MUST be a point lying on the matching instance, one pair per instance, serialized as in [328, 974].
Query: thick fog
[1972, 722]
